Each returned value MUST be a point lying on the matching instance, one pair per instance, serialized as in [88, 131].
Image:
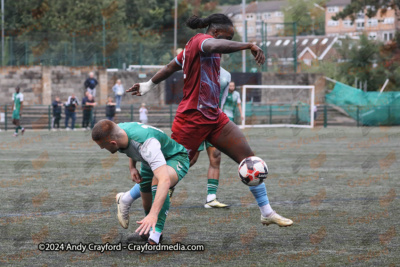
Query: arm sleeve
[152, 154]
[179, 58]
[21, 97]
[238, 98]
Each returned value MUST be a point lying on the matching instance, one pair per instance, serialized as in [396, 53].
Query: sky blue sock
[260, 194]
[135, 192]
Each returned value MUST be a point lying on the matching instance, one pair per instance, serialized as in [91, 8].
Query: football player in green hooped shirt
[18, 99]
[164, 163]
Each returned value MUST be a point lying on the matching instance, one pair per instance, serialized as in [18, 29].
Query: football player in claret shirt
[198, 116]
[164, 163]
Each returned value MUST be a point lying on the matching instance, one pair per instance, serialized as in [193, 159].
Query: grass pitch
[339, 185]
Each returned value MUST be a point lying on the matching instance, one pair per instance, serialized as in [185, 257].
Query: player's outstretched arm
[142, 88]
[164, 183]
[224, 46]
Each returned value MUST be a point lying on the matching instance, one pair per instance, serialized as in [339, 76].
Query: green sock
[212, 186]
[163, 212]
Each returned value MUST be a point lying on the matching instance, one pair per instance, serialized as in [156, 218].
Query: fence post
[131, 112]
[325, 116]
[49, 117]
[5, 117]
[170, 115]
[270, 114]
[297, 114]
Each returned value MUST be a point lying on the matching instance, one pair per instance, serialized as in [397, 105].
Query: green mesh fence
[368, 108]
[298, 113]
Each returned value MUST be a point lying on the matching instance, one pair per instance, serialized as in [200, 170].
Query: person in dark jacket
[70, 107]
[57, 104]
[110, 109]
[87, 106]
[90, 84]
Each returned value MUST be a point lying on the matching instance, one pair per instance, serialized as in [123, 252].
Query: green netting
[368, 108]
[298, 113]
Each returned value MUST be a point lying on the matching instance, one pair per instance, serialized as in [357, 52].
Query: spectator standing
[57, 104]
[110, 109]
[87, 106]
[90, 84]
[119, 91]
[18, 99]
[143, 114]
[70, 107]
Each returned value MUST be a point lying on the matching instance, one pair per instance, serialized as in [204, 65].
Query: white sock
[155, 236]
[266, 210]
[211, 197]
[127, 198]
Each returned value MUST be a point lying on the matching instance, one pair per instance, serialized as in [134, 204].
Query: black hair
[217, 21]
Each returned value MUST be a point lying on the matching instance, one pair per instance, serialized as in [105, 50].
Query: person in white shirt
[143, 114]
[119, 91]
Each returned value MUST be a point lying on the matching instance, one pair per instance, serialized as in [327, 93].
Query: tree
[308, 15]
[371, 7]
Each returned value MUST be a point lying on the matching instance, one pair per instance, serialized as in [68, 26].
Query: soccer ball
[252, 171]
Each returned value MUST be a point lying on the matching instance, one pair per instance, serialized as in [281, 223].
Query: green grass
[60, 187]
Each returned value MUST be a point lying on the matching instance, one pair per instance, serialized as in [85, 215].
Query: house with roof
[309, 49]
[380, 27]
[256, 13]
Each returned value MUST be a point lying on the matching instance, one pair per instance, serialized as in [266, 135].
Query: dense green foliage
[370, 7]
[135, 30]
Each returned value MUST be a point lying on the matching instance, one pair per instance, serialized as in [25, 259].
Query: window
[347, 23]
[278, 14]
[278, 43]
[333, 23]
[387, 36]
[372, 22]
[258, 16]
[360, 15]
[286, 42]
[360, 25]
[333, 9]
[268, 43]
[279, 26]
[372, 36]
[305, 41]
[388, 21]
[250, 16]
[267, 15]
[269, 28]
[315, 41]
[250, 30]
[325, 41]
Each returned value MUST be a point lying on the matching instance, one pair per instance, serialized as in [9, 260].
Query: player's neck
[123, 142]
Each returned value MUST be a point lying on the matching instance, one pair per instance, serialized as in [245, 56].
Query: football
[252, 171]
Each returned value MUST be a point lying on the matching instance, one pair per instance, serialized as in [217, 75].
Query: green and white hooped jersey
[231, 102]
[224, 80]
[149, 145]
[17, 98]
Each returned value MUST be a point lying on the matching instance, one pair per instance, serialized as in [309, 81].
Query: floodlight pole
[2, 32]
[244, 35]
[175, 26]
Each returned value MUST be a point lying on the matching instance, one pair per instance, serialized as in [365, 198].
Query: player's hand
[258, 54]
[136, 176]
[146, 224]
[134, 89]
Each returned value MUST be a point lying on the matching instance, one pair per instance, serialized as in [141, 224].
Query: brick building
[381, 27]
